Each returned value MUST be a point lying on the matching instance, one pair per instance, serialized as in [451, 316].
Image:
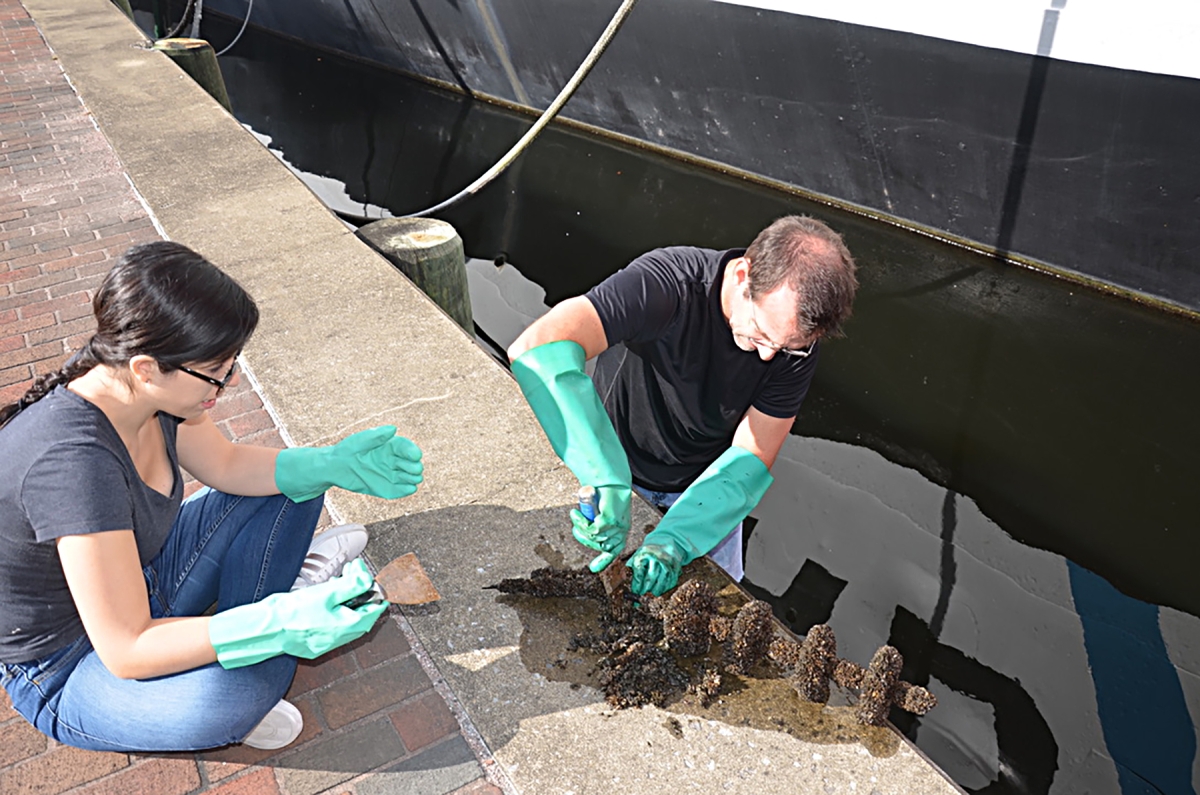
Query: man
[705, 358]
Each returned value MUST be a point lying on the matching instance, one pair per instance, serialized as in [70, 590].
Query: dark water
[995, 472]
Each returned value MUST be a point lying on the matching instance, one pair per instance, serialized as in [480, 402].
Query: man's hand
[656, 568]
[607, 532]
[706, 512]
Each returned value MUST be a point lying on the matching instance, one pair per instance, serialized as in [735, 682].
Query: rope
[196, 19]
[245, 22]
[182, 21]
[547, 115]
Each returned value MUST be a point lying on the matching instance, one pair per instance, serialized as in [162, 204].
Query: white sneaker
[281, 726]
[329, 553]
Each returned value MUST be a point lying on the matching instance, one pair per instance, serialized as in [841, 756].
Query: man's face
[768, 327]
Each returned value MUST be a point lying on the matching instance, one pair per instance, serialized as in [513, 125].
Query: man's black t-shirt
[673, 381]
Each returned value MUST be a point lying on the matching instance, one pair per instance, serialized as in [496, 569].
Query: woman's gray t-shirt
[65, 471]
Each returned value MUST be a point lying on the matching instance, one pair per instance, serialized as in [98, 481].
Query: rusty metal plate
[405, 582]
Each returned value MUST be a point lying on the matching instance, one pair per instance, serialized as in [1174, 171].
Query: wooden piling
[429, 252]
[197, 58]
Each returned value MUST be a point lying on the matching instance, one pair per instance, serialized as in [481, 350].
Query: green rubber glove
[656, 567]
[304, 623]
[565, 402]
[704, 514]
[375, 461]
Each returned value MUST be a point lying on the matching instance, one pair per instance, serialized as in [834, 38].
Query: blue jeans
[222, 548]
[727, 554]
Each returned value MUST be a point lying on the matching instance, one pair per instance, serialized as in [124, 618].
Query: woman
[106, 574]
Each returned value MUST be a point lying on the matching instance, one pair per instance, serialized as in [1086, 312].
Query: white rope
[245, 22]
[544, 119]
[182, 20]
[196, 19]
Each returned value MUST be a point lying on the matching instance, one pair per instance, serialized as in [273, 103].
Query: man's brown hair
[811, 258]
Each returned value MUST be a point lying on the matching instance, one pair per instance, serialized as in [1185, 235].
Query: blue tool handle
[588, 503]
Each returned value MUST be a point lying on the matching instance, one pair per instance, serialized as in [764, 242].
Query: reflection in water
[1146, 722]
[994, 471]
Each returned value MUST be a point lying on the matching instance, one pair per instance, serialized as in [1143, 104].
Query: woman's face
[199, 385]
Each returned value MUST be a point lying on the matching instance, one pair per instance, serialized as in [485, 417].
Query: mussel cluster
[642, 639]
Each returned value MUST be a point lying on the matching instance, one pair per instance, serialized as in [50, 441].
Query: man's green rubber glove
[375, 461]
[304, 623]
[566, 404]
[706, 512]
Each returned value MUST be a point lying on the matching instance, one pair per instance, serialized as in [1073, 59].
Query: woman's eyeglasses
[219, 384]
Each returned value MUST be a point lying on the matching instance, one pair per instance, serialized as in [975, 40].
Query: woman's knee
[202, 708]
[307, 512]
[234, 701]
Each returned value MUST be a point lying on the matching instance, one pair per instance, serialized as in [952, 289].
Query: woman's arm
[243, 469]
[106, 582]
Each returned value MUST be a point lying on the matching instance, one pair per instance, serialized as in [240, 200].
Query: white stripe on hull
[1153, 37]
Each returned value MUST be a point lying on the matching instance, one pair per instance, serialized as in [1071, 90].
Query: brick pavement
[66, 208]
[375, 722]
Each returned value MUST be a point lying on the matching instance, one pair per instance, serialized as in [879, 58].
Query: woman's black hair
[161, 300]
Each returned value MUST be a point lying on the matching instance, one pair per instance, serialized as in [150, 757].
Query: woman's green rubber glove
[304, 623]
[706, 512]
[565, 402]
[375, 461]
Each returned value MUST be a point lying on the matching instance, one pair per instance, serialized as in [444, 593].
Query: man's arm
[548, 364]
[574, 319]
[762, 434]
[712, 505]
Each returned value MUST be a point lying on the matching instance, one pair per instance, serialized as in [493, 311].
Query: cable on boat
[547, 115]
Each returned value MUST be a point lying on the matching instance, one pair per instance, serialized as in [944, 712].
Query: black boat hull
[1083, 169]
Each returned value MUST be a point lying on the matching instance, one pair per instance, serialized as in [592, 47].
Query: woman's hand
[374, 461]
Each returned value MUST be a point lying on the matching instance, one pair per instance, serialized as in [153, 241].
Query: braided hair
[161, 300]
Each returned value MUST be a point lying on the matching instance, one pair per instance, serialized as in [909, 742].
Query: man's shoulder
[682, 257]
[685, 264]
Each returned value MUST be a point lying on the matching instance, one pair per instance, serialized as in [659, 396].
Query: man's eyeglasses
[222, 383]
[798, 353]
